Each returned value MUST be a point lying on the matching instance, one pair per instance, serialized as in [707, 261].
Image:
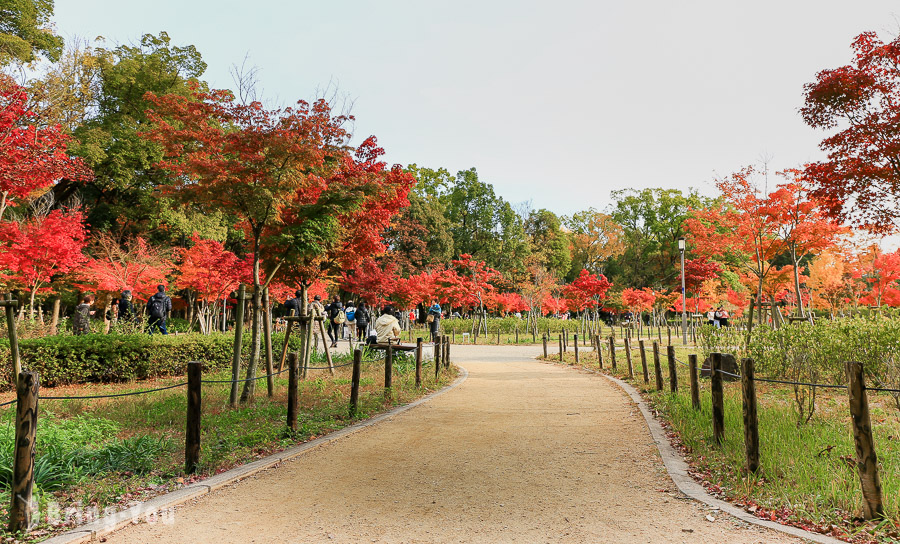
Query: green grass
[807, 477]
[109, 452]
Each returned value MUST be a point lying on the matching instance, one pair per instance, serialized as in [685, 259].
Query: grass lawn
[808, 475]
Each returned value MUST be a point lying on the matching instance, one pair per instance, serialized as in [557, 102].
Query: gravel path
[521, 452]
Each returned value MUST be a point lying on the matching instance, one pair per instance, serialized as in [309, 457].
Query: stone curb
[159, 508]
[678, 471]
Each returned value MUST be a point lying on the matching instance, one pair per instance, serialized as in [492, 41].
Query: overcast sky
[555, 102]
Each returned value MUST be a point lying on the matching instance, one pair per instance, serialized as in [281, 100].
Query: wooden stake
[718, 398]
[599, 349]
[267, 338]
[866, 459]
[575, 343]
[643, 349]
[673, 371]
[20, 510]
[354, 382]
[419, 362]
[751, 426]
[238, 341]
[612, 351]
[657, 368]
[293, 398]
[192, 429]
[628, 358]
[544, 338]
[695, 382]
[562, 346]
[388, 370]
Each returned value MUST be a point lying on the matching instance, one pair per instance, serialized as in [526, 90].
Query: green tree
[25, 31]
[550, 245]
[122, 197]
[484, 225]
[419, 237]
[596, 238]
[652, 220]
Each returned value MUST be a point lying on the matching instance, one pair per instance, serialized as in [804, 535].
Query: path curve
[521, 451]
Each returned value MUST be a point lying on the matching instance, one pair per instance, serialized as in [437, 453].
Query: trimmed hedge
[62, 360]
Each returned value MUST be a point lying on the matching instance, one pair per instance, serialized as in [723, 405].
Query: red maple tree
[860, 181]
[36, 250]
[31, 158]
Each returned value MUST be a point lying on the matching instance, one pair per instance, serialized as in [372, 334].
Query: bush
[62, 360]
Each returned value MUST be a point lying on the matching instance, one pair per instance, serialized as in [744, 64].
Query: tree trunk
[797, 280]
[250, 384]
[54, 321]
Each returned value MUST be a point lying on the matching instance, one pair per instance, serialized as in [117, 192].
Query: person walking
[126, 307]
[81, 319]
[434, 320]
[336, 318]
[158, 308]
[362, 318]
[350, 312]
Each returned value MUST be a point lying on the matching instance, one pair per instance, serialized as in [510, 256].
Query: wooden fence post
[192, 430]
[866, 459]
[419, 362]
[388, 369]
[673, 370]
[498, 334]
[238, 340]
[562, 345]
[669, 332]
[20, 510]
[718, 398]
[544, 339]
[599, 348]
[643, 349]
[517, 334]
[437, 351]
[446, 352]
[628, 358]
[575, 343]
[751, 425]
[354, 382]
[612, 351]
[695, 382]
[437, 362]
[293, 400]
[657, 368]
[267, 339]
[10, 305]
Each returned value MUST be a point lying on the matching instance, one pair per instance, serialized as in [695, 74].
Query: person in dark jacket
[334, 310]
[292, 306]
[81, 319]
[363, 318]
[434, 320]
[158, 308]
[126, 307]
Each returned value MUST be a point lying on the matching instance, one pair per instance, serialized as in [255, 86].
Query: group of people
[718, 317]
[357, 321]
[159, 306]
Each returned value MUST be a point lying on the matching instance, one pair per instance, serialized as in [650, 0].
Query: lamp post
[683, 294]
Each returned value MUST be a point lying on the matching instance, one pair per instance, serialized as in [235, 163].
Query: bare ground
[521, 452]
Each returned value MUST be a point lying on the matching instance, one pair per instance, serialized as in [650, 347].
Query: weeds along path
[522, 451]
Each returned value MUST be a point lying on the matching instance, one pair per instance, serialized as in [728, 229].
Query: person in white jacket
[387, 327]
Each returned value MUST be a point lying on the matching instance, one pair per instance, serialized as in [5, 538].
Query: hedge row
[62, 360]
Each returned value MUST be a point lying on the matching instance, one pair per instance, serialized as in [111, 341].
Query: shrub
[62, 360]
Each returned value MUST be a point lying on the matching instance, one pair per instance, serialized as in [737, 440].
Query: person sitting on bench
[387, 328]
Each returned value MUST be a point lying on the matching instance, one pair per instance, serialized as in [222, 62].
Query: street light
[681, 246]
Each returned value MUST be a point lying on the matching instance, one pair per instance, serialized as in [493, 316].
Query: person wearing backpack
[158, 307]
[336, 318]
[350, 312]
[81, 319]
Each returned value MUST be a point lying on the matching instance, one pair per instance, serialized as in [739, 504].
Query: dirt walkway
[521, 452]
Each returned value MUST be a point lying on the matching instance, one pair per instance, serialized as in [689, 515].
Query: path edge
[677, 468]
[159, 508]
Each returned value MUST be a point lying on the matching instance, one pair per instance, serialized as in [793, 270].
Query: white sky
[555, 102]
